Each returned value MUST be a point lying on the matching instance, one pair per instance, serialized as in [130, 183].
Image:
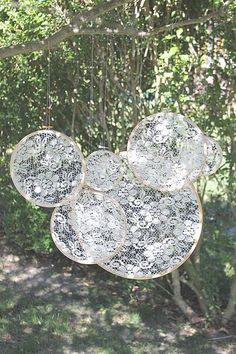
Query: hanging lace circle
[213, 157]
[103, 170]
[166, 151]
[163, 229]
[63, 233]
[47, 168]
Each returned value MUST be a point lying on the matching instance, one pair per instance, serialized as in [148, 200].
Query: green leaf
[173, 51]
[229, 270]
[184, 58]
[179, 31]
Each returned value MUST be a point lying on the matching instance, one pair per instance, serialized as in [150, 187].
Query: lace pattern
[166, 151]
[47, 168]
[94, 223]
[103, 170]
[64, 235]
[163, 229]
[213, 157]
[100, 224]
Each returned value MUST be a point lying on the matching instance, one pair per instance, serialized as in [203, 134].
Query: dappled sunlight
[46, 308]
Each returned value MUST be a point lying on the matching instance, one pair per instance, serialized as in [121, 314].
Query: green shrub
[25, 224]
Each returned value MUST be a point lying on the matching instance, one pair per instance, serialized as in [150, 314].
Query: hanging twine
[47, 124]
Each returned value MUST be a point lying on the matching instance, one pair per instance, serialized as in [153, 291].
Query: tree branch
[230, 308]
[185, 308]
[75, 28]
[65, 32]
[198, 292]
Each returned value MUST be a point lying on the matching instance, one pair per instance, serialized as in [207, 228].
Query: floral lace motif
[47, 168]
[103, 170]
[213, 157]
[163, 229]
[64, 236]
[100, 224]
[166, 151]
[90, 229]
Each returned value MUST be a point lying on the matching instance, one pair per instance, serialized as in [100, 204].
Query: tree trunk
[199, 290]
[230, 308]
[185, 308]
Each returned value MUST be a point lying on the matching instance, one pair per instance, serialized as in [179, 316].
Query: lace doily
[100, 224]
[63, 233]
[103, 170]
[213, 157]
[166, 151]
[163, 229]
[92, 228]
[47, 168]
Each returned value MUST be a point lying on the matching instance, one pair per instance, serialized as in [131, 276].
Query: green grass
[31, 325]
[96, 313]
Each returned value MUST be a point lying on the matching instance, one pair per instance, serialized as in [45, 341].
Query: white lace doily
[100, 224]
[213, 157]
[103, 170]
[166, 151]
[163, 229]
[64, 236]
[47, 168]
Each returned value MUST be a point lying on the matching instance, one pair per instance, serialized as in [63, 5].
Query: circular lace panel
[63, 233]
[213, 157]
[47, 168]
[103, 170]
[163, 229]
[166, 151]
[100, 224]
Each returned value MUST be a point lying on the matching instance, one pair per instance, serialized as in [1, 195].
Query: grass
[91, 312]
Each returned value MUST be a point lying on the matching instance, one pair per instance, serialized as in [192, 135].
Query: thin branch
[221, 338]
[165, 290]
[185, 308]
[75, 28]
[198, 292]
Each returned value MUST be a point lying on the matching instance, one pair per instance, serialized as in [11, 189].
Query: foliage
[25, 224]
[218, 252]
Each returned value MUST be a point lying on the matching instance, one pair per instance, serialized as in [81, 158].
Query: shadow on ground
[47, 307]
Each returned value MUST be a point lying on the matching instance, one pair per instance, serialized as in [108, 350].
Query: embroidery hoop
[56, 135]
